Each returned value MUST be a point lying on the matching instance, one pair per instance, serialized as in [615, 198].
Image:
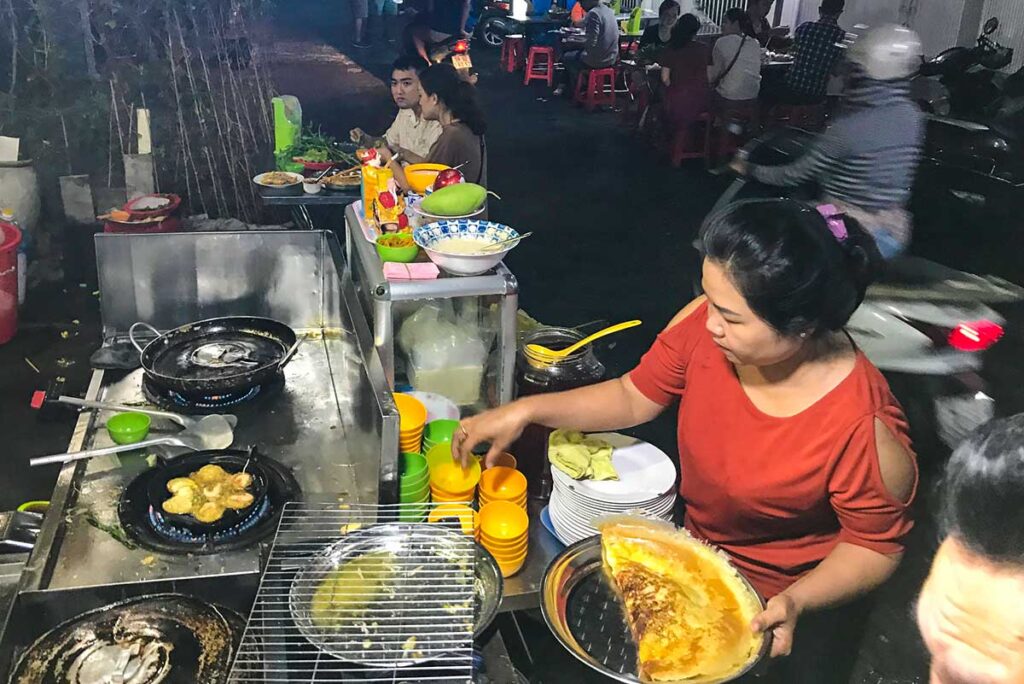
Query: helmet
[888, 52]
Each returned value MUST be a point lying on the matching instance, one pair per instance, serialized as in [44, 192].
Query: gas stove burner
[162, 526]
[176, 401]
[221, 354]
[148, 527]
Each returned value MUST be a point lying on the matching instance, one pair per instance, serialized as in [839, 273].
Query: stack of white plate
[646, 485]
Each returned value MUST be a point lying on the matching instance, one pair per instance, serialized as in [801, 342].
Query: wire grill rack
[357, 593]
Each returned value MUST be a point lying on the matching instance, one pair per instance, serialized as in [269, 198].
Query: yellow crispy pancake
[688, 609]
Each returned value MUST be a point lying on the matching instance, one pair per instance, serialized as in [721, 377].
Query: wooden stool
[512, 52]
[599, 88]
[540, 65]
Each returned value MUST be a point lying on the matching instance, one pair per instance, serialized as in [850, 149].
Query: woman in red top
[794, 455]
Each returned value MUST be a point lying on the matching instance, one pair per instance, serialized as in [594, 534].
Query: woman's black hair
[795, 274]
[983, 491]
[457, 95]
[684, 31]
[666, 5]
[741, 17]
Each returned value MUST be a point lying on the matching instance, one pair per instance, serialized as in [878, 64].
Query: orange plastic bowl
[451, 477]
[412, 415]
[509, 569]
[503, 521]
[504, 484]
[467, 517]
[422, 176]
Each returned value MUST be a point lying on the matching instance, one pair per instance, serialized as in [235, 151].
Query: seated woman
[794, 454]
[969, 611]
[656, 36]
[684, 76]
[453, 103]
[735, 71]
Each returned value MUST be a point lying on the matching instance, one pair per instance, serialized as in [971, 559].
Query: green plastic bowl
[401, 255]
[128, 428]
[438, 431]
[413, 466]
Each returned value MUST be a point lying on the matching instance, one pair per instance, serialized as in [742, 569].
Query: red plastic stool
[540, 65]
[600, 88]
[512, 52]
[684, 144]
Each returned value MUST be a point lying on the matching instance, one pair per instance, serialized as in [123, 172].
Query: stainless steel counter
[333, 421]
[522, 590]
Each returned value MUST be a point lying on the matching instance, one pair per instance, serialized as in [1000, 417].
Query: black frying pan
[233, 462]
[216, 356]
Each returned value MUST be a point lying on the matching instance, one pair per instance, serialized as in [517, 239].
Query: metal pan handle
[131, 333]
[106, 451]
[75, 401]
[291, 352]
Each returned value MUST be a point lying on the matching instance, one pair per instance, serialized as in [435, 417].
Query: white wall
[1011, 27]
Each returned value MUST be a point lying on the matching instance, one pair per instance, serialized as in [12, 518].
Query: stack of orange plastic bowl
[457, 516]
[505, 532]
[503, 484]
[412, 419]
[450, 482]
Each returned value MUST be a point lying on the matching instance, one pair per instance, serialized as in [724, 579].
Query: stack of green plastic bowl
[414, 488]
[438, 432]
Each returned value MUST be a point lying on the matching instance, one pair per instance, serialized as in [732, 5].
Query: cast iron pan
[184, 641]
[231, 461]
[217, 356]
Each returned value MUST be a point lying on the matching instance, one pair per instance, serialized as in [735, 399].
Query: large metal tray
[427, 601]
[584, 612]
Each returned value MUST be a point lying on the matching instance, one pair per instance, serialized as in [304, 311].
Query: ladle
[545, 353]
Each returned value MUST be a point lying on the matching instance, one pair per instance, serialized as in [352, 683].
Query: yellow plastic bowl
[503, 521]
[509, 569]
[467, 517]
[422, 176]
[501, 483]
[505, 552]
[451, 477]
[412, 415]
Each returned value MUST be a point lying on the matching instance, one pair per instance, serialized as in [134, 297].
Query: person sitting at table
[410, 131]
[656, 36]
[794, 455]
[735, 71]
[684, 75]
[969, 610]
[817, 49]
[758, 11]
[453, 103]
[601, 44]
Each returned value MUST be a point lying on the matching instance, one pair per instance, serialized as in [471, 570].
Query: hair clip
[834, 218]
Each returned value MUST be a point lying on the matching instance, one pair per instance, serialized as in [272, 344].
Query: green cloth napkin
[581, 457]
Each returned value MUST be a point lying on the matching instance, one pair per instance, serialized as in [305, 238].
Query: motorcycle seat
[917, 278]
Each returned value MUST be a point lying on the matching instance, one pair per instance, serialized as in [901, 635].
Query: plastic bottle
[7, 215]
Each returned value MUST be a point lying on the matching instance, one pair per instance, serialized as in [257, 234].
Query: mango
[455, 200]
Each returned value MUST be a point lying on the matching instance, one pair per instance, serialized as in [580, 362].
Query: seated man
[601, 48]
[969, 610]
[816, 53]
[410, 131]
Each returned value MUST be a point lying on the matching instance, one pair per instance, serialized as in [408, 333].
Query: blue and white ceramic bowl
[433, 236]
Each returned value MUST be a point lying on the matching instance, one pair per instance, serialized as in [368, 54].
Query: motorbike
[455, 51]
[490, 20]
[926, 326]
[974, 146]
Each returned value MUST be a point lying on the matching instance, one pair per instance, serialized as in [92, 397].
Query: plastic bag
[446, 352]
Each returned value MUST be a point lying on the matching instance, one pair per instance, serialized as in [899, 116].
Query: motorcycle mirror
[991, 26]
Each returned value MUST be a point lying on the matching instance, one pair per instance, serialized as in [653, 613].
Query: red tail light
[461, 47]
[503, 6]
[975, 336]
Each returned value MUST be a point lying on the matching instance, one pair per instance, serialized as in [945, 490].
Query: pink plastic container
[10, 238]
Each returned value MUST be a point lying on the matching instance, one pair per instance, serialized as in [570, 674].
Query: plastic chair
[512, 49]
[681, 142]
[595, 87]
[725, 122]
[540, 65]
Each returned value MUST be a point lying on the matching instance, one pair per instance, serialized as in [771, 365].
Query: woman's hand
[740, 166]
[385, 153]
[779, 617]
[500, 427]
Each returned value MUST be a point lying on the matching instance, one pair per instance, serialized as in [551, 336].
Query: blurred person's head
[446, 94]
[737, 22]
[831, 9]
[969, 611]
[589, 4]
[668, 13]
[759, 9]
[405, 81]
[684, 31]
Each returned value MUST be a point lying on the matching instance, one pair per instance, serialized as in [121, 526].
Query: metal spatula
[209, 432]
[186, 422]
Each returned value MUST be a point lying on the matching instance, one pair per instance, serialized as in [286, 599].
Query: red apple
[448, 177]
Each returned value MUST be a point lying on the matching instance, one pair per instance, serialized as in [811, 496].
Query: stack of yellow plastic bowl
[412, 419]
[503, 484]
[457, 516]
[450, 482]
[505, 532]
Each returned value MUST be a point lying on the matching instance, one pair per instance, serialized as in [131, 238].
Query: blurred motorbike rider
[865, 162]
